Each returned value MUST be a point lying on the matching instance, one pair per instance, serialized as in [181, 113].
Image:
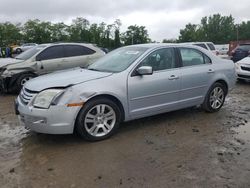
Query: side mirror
[145, 70]
[38, 58]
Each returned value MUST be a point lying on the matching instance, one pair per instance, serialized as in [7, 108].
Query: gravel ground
[186, 148]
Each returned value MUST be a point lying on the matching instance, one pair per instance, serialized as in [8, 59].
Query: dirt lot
[187, 148]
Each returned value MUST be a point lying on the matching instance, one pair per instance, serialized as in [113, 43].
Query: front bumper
[55, 120]
[243, 74]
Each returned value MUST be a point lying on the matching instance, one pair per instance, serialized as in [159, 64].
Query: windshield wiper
[94, 69]
[18, 58]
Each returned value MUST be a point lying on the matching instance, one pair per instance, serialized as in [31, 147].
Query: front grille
[245, 68]
[243, 76]
[26, 95]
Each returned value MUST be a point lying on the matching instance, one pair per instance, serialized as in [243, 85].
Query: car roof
[158, 45]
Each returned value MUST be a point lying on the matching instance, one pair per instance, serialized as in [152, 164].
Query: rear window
[201, 45]
[211, 46]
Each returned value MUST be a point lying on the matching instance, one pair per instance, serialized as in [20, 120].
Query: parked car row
[43, 59]
[129, 83]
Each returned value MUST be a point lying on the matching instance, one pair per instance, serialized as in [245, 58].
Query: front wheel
[98, 119]
[215, 98]
[21, 80]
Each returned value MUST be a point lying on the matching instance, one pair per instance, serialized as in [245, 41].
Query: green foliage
[243, 30]
[135, 35]
[80, 30]
[216, 28]
[9, 33]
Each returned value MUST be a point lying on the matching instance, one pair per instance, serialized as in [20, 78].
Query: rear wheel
[98, 119]
[215, 98]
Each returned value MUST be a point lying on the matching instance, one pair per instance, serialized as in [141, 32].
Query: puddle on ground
[243, 132]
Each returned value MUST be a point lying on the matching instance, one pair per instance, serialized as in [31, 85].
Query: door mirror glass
[145, 70]
[38, 58]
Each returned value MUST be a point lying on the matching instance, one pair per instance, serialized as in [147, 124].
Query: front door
[156, 93]
[51, 59]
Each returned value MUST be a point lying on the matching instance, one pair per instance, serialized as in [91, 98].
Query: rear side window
[211, 46]
[201, 45]
[77, 50]
[191, 57]
[53, 52]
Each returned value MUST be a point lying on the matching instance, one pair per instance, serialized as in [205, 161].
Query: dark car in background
[240, 52]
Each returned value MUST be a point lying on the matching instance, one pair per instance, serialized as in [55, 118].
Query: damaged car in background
[43, 59]
[128, 83]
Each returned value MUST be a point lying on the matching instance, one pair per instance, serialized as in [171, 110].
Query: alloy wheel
[216, 98]
[100, 120]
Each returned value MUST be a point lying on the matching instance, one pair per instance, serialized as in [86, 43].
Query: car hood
[8, 61]
[245, 61]
[64, 79]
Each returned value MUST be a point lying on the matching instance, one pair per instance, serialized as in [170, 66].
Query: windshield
[118, 60]
[29, 53]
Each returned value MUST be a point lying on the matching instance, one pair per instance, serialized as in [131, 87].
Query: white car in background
[206, 45]
[24, 47]
[243, 69]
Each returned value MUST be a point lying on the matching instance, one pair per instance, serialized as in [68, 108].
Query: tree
[243, 30]
[37, 31]
[78, 30]
[9, 33]
[59, 32]
[135, 35]
[117, 42]
[216, 28]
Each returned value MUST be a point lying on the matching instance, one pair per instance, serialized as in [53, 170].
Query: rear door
[196, 75]
[50, 59]
[77, 55]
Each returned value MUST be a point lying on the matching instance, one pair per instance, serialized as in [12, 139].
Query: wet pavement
[186, 148]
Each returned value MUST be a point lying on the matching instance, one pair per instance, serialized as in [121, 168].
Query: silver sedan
[129, 83]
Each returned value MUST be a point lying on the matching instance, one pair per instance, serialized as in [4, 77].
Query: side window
[191, 57]
[207, 59]
[201, 45]
[53, 52]
[211, 46]
[77, 50]
[160, 59]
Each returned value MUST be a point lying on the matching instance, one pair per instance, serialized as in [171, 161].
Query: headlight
[237, 66]
[46, 97]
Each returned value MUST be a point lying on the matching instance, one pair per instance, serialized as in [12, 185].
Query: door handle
[210, 71]
[173, 77]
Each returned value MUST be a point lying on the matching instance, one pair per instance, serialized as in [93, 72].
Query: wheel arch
[223, 82]
[114, 99]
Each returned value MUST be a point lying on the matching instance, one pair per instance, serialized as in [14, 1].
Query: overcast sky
[163, 18]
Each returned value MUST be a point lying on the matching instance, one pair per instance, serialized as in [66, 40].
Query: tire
[215, 98]
[91, 124]
[21, 80]
[19, 50]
